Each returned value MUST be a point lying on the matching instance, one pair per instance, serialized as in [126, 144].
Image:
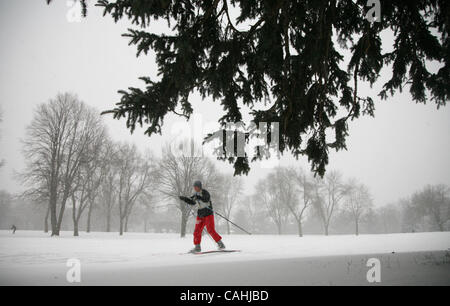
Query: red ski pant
[207, 221]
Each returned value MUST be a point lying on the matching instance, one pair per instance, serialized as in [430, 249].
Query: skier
[205, 217]
[14, 229]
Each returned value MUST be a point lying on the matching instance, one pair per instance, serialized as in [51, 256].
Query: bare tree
[88, 179]
[79, 201]
[133, 179]
[434, 202]
[56, 142]
[176, 175]
[412, 216]
[146, 203]
[299, 183]
[252, 211]
[98, 173]
[329, 193]
[358, 202]
[271, 193]
[230, 190]
[41, 149]
[390, 217]
[38, 195]
[108, 187]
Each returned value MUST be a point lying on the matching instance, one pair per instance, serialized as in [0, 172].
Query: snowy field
[34, 258]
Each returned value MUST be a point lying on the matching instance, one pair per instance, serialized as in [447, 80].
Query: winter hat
[198, 184]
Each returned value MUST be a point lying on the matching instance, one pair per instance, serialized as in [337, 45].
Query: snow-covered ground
[34, 258]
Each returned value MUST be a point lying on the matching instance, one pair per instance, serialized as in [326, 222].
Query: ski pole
[230, 221]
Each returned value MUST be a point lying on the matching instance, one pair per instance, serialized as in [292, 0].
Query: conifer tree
[288, 54]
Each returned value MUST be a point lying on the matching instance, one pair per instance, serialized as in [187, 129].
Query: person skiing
[14, 229]
[205, 217]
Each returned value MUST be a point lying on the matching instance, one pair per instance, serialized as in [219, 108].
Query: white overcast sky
[403, 148]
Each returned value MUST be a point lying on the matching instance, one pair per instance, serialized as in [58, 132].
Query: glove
[187, 200]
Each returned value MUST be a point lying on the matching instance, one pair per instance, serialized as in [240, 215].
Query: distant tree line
[289, 196]
[289, 193]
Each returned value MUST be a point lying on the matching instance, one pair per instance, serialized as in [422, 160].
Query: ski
[212, 252]
[217, 251]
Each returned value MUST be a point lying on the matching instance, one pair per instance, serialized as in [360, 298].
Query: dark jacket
[204, 197]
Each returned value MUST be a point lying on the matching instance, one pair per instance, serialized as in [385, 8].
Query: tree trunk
[121, 226]
[61, 214]
[126, 224]
[46, 220]
[326, 229]
[108, 221]
[88, 227]
[228, 228]
[53, 219]
[127, 219]
[300, 228]
[74, 218]
[356, 227]
[75, 228]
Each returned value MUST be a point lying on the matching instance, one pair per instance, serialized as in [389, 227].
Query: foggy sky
[403, 148]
